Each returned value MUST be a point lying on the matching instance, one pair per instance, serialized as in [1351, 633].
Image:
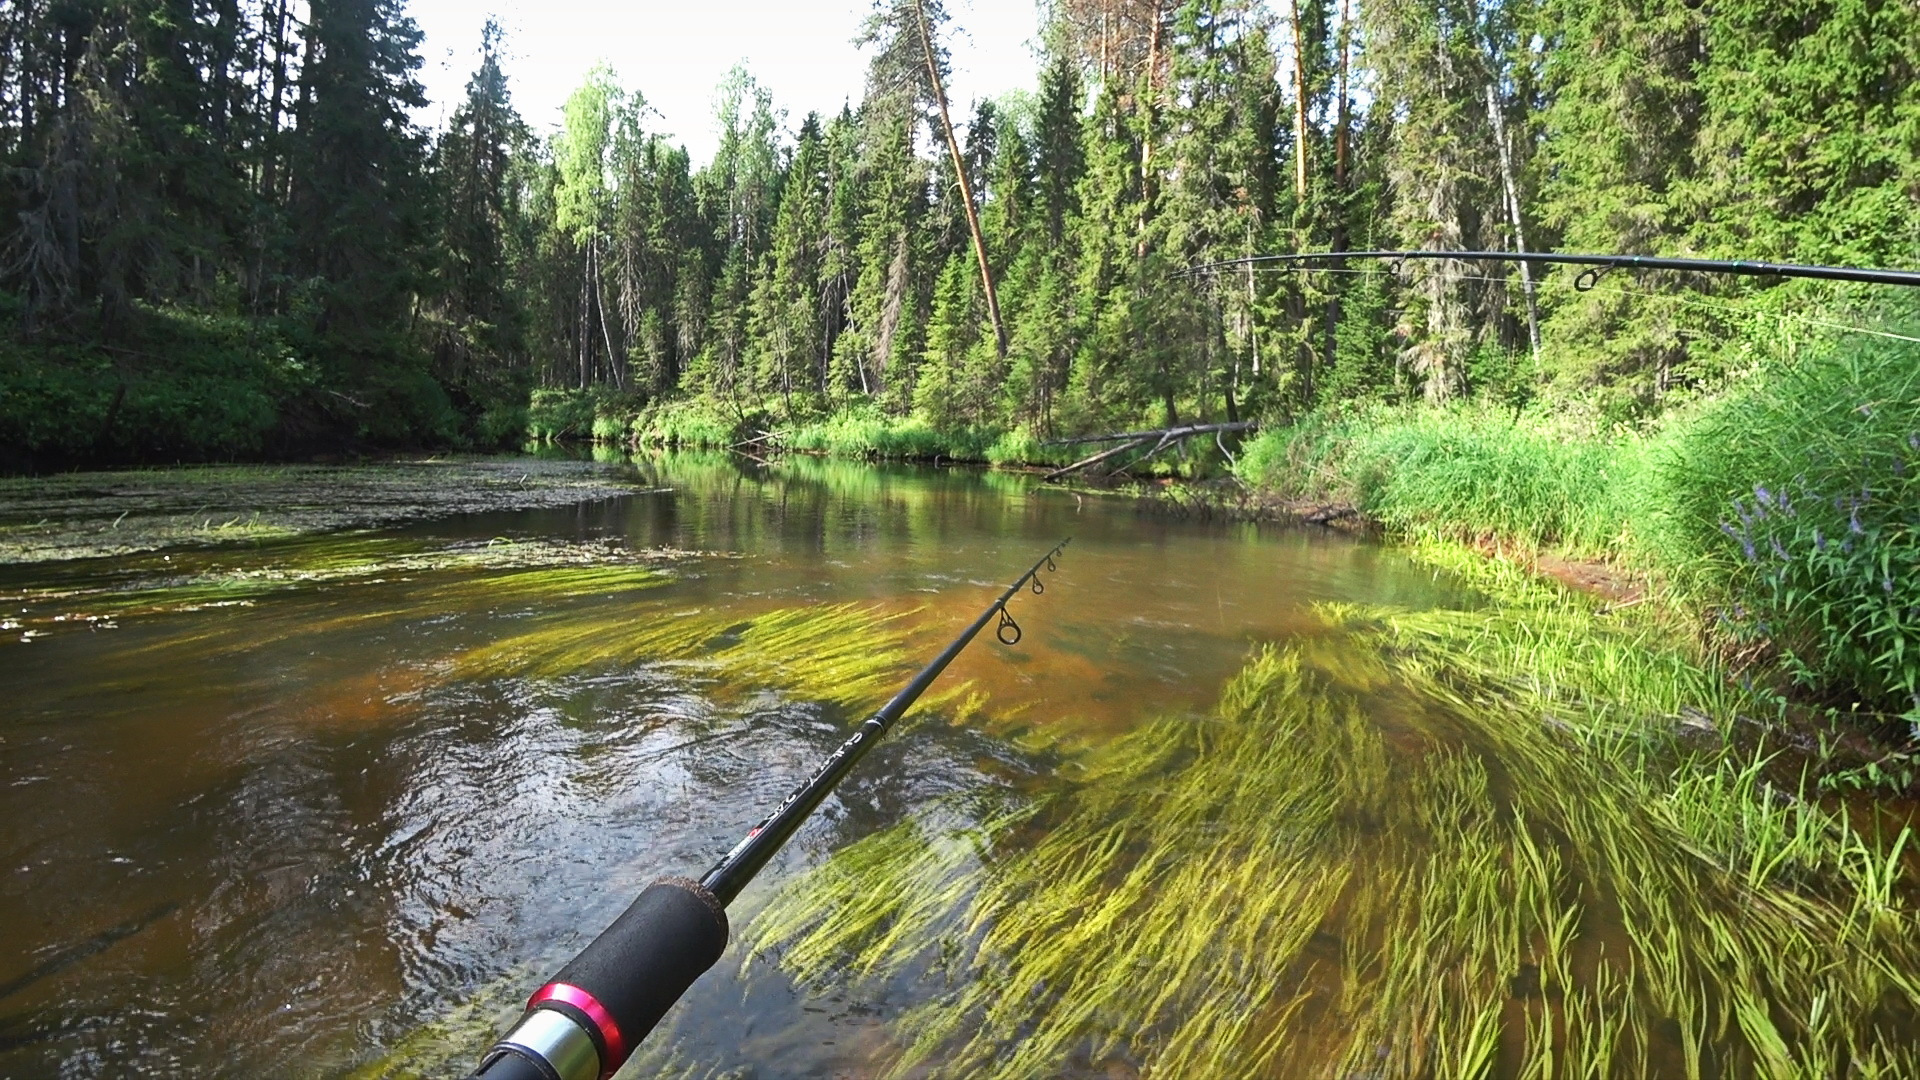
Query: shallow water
[277, 806]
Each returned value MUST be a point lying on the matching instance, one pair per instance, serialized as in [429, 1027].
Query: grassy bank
[804, 425]
[1783, 515]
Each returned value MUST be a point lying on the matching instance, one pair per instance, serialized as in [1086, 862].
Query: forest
[227, 236]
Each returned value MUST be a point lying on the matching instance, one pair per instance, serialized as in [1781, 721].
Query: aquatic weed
[1311, 881]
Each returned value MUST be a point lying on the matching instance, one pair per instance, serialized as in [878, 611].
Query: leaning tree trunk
[1513, 215]
[966, 190]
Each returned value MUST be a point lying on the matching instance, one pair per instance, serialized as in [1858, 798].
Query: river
[316, 773]
[271, 830]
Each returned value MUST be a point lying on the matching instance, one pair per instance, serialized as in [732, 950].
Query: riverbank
[1782, 519]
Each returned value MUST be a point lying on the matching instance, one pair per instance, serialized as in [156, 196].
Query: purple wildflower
[1853, 522]
[1780, 551]
[1886, 583]
[1762, 495]
[1913, 441]
[1819, 542]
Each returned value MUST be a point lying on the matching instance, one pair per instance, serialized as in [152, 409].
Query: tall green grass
[1785, 510]
[1796, 497]
[601, 413]
[873, 434]
[1467, 473]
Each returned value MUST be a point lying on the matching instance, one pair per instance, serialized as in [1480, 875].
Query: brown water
[273, 834]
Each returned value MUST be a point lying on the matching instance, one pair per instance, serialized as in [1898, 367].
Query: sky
[676, 53]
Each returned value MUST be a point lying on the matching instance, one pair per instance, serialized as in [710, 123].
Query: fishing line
[1565, 285]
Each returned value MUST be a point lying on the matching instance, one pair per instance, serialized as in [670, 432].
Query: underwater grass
[453, 1043]
[442, 578]
[848, 654]
[1382, 856]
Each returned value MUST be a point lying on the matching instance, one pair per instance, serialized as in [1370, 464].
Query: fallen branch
[1163, 438]
[1094, 460]
[1171, 433]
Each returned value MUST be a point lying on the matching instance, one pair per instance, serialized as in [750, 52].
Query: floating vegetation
[84, 515]
[847, 654]
[1436, 843]
[452, 578]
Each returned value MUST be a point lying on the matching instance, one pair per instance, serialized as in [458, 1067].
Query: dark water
[272, 838]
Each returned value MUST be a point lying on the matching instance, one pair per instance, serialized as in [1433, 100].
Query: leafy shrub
[500, 425]
[1795, 500]
[869, 432]
[189, 386]
[599, 413]
[689, 424]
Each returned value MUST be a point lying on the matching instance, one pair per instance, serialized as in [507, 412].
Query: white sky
[675, 54]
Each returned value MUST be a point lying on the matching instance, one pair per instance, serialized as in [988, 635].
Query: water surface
[272, 826]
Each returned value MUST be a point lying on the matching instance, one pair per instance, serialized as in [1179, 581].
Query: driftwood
[763, 437]
[1094, 460]
[1170, 432]
[1163, 438]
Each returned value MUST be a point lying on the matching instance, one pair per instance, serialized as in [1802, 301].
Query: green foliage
[870, 433]
[694, 424]
[1795, 499]
[187, 387]
[1464, 473]
[1787, 505]
[602, 414]
[830, 263]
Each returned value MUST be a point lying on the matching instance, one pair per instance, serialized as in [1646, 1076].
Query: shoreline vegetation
[1775, 524]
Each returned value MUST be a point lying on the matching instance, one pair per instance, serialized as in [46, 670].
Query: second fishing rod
[586, 1022]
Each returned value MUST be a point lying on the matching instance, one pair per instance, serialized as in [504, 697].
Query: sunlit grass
[1422, 844]
[848, 654]
[450, 578]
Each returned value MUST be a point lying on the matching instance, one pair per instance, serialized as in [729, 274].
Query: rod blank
[585, 1023]
[1743, 267]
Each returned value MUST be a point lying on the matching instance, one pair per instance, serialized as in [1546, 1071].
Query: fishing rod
[1596, 265]
[586, 1022]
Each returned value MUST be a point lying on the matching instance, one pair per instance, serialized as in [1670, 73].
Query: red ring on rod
[609, 1031]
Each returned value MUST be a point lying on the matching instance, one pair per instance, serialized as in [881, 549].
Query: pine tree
[479, 326]
[358, 204]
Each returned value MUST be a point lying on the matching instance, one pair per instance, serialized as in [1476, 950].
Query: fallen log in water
[1175, 432]
[1164, 437]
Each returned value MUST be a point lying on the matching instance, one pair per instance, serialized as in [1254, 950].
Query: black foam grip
[638, 967]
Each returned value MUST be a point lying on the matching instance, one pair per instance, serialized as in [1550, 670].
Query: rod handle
[620, 986]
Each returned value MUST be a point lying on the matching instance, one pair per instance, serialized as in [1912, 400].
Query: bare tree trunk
[1513, 214]
[1299, 102]
[583, 333]
[1344, 123]
[1342, 138]
[615, 365]
[1253, 319]
[966, 190]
